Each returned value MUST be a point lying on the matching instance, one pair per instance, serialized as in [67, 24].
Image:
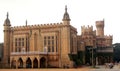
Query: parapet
[88, 29]
[109, 37]
[100, 23]
[49, 25]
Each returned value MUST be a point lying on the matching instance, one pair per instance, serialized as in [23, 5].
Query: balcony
[105, 49]
[32, 53]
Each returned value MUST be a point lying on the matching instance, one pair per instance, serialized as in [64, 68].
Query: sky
[81, 12]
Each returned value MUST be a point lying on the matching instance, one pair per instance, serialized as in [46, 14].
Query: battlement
[49, 25]
[88, 29]
[100, 23]
[108, 36]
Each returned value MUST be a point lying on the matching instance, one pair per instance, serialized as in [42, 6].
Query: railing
[105, 50]
[35, 52]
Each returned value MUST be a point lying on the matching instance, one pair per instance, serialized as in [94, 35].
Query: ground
[87, 68]
[51, 69]
[80, 69]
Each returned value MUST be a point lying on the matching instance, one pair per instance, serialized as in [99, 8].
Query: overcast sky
[82, 12]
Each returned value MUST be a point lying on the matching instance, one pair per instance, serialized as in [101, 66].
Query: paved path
[103, 68]
[49, 69]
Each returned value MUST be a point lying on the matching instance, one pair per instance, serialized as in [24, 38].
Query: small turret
[6, 52]
[66, 19]
[100, 28]
[7, 21]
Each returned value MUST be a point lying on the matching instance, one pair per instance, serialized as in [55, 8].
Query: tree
[116, 48]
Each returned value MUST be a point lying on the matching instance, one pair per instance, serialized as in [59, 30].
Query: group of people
[111, 65]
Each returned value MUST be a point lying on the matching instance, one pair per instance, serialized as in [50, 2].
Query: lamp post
[93, 56]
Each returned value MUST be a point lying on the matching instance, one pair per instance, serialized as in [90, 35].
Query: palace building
[55, 45]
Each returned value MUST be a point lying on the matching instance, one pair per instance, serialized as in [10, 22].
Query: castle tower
[65, 41]
[6, 52]
[100, 28]
[66, 18]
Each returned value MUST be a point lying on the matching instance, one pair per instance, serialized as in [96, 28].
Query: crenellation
[108, 36]
[38, 26]
[86, 29]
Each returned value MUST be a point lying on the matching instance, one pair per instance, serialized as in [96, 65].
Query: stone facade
[50, 45]
[95, 43]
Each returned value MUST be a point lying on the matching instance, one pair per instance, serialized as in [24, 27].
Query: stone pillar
[32, 63]
[16, 65]
[38, 63]
[96, 61]
[24, 64]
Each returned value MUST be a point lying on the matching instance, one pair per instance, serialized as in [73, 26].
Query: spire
[66, 15]
[7, 21]
[7, 15]
[66, 8]
[26, 22]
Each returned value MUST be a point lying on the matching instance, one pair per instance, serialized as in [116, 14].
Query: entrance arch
[42, 62]
[28, 63]
[35, 63]
[13, 63]
[20, 63]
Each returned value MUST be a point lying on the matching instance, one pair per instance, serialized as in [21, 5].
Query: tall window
[45, 40]
[22, 41]
[49, 42]
[48, 48]
[52, 43]
[15, 42]
[56, 45]
[52, 48]
[19, 44]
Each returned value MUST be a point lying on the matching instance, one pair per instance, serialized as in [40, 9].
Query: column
[16, 64]
[38, 63]
[96, 61]
[32, 63]
[24, 64]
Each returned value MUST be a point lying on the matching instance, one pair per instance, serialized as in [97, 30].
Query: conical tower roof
[66, 15]
[7, 21]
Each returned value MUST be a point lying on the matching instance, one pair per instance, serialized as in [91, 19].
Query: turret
[6, 52]
[100, 28]
[66, 18]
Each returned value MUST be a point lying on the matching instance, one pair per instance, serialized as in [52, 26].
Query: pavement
[104, 68]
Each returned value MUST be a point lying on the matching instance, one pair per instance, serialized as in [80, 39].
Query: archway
[42, 62]
[28, 63]
[13, 63]
[20, 63]
[35, 63]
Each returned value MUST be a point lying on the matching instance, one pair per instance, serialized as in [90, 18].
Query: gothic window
[48, 37]
[48, 48]
[16, 42]
[45, 41]
[48, 42]
[27, 44]
[52, 42]
[56, 44]
[22, 41]
[52, 37]
[52, 48]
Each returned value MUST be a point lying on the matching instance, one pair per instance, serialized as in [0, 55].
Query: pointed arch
[13, 63]
[28, 63]
[42, 62]
[35, 63]
[20, 63]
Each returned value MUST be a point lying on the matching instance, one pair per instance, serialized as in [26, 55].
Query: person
[111, 65]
